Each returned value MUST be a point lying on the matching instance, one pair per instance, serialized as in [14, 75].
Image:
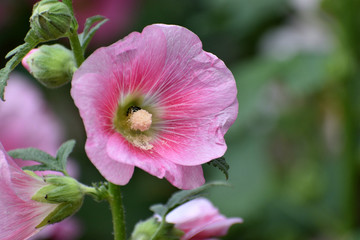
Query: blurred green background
[294, 149]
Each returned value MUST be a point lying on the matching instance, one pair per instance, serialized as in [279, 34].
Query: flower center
[139, 119]
[135, 123]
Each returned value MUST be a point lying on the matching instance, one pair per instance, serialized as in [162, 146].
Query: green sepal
[221, 164]
[182, 197]
[88, 33]
[61, 212]
[60, 189]
[146, 230]
[31, 173]
[48, 162]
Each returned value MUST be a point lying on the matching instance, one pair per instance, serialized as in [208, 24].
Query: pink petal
[195, 212]
[185, 177]
[180, 176]
[113, 171]
[218, 228]
[199, 219]
[24, 61]
[19, 215]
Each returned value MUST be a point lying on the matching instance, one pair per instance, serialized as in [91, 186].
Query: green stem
[76, 48]
[73, 37]
[117, 211]
[158, 230]
[350, 154]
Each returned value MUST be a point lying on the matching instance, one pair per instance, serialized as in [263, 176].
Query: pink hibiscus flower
[200, 220]
[19, 214]
[157, 101]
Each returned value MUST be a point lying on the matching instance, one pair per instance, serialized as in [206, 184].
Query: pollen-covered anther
[140, 120]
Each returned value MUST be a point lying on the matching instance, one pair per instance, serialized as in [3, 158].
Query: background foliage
[294, 149]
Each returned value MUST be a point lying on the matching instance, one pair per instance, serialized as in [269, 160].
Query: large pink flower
[19, 214]
[157, 101]
[200, 220]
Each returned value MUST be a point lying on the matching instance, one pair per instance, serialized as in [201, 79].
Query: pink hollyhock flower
[19, 214]
[200, 220]
[157, 101]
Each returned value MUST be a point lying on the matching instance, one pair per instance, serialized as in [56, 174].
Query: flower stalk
[74, 38]
[117, 211]
[76, 48]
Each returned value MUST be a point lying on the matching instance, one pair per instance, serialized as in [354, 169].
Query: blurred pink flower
[19, 214]
[26, 120]
[157, 101]
[119, 12]
[69, 229]
[200, 220]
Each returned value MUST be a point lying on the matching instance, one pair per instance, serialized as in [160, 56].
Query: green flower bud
[53, 66]
[66, 192]
[146, 229]
[50, 20]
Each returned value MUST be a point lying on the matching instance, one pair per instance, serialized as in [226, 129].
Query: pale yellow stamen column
[140, 120]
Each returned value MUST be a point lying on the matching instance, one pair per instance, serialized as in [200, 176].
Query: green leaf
[17, 55]
[88, 33]
[48, 162]
[221, 164]
[64, 152]
[182, 197]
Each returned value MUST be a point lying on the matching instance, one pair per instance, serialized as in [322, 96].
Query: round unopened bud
[50, 20]
[52, 65]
